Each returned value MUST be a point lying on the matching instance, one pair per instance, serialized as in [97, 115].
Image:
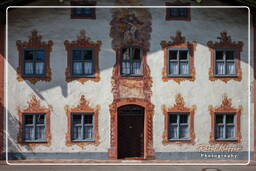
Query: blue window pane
[28, 55]
[173, 54]
[88, 119]
[28, 119]
[174, 12]
[87, 11]
[182, 12]
[77, 55]
[77, 119]
[39, 55]
[78, 11]
[87, 55]
[40, 119]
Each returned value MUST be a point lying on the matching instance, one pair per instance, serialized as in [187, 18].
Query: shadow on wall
[14, 151]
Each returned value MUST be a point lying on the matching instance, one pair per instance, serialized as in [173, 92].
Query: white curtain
[220, 68]
[88, 132]
[29, 132]
[77, 133]
[126, 67]
[184, 131]
[28, 68]
[230, 133]
[88, 67]
[136, 67]
[39, 68]
[40, 132]
[77, 68]
[184, 68]
[231, 68]
[220, 131]
[174, 68]
[173, 132]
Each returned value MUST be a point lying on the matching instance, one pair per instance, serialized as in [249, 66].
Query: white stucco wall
[56, 25]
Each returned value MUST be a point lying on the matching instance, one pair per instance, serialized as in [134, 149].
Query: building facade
[161, 84]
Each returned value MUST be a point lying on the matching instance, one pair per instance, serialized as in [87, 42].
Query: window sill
[93, 17]
[179, 76]
[43, 141]
[78, 141]
[83, 76]
[225, 76]
[178, 18]
[179, 140]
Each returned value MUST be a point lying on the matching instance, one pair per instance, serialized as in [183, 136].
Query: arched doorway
[130, 132]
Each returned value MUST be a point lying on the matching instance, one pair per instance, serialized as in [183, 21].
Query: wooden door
[131, 132]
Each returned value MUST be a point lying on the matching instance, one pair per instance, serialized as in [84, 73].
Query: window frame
[82, 107]
[82, 3]
[131, 62]
[168, 17]
[225, 124]
[178, 42]
[225, 62]
[82, 125]
[178, 124]
[225, 42]
[178, 61]
[225, 108]
[34, 107]
[82, 42]
[34, 62]
[34, 43]
[34, 125]
[83, 61]
[179, 107]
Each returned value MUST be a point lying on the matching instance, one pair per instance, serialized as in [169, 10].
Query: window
[225, 128]
[83, 62]
[34, 62]
[225, 122]
[178, 126]
[178, 62]
[131, 61]
[173, 13]
[34, 59]
[34, 127]
[85, 12]
[82, 126]
[225, 64]
[82, 59]
[225, 59]
[178, 122]
[178, 59]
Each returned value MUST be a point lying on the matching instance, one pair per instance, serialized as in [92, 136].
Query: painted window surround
[225, 107]
[83, 107]
[82, 42]
[33, 107]
[179, 107]
[177, 3]
[225, 42]
[34, 42]
[178, 42]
